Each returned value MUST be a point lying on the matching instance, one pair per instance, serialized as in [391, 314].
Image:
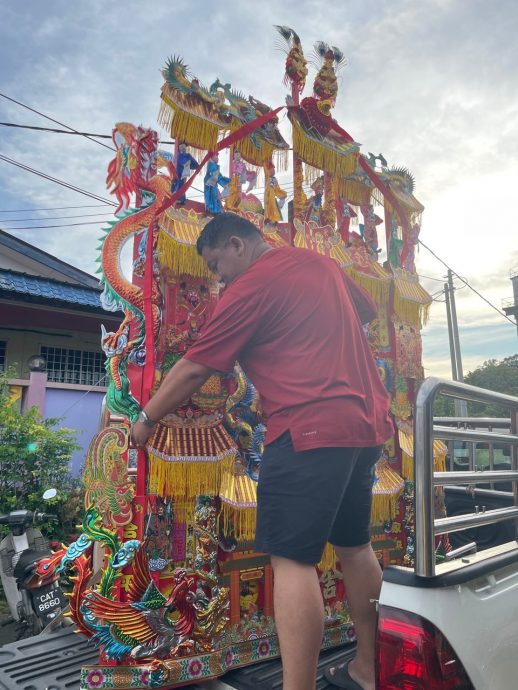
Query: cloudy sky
[432, 84]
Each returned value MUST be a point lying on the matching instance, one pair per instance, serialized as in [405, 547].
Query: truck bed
[52, 661]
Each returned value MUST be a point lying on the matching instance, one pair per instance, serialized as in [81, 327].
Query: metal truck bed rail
[426, 526]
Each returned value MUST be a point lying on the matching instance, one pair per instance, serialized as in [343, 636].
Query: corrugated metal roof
[34, 287]
[30, 251]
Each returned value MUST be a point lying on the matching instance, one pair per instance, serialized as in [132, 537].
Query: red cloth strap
[232, 138]
[375, 179]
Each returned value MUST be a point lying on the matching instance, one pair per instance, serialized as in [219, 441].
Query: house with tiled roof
[50, 326]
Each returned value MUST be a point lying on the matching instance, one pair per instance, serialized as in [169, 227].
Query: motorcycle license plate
[47, 600]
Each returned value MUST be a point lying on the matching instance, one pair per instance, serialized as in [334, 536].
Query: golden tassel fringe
[354, 192]
[188, 127]
[323, 157]
[187, 479]
[253, 155]
[328, 560]
[386, 493]
[439, 463]
[237, 522]
[384, 507]
[410, 312]
[181, 258]
[377, 196]
[407, 466]
[311, 174]
[378, 289]
[281, 160]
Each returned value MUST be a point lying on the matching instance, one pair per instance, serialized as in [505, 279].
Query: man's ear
[237, 244]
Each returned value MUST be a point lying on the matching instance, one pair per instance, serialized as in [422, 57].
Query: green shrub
[35, 456]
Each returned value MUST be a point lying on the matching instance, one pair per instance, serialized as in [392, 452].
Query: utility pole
[461, 406]
[510, 305]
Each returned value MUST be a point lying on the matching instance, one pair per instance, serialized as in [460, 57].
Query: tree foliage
[500, 376]
[34, 456]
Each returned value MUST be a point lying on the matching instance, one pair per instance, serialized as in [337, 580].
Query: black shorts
[308, 498]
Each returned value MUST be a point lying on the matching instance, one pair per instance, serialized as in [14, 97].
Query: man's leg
[362, 579]
[299, 618]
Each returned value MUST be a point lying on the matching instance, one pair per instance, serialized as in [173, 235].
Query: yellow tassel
[407, 466]
[319, 155]
[253, 155]
[409, 312]
[237, 522]
[377, 196]
[439, 464]
[384, 507]
[406, 442]
[186, 126]
[311, 174]
[281, 160]
[238, 495]
[386, 493]
[379, 289]
[354, 192]
[179, 479]
[181, 258]
[411, 300]
[328, 560]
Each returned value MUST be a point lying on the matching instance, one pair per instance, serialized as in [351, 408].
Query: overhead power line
[67, 225]
[54, 179]
[61, 124]
[438, 280]
[53, 208]
[83, 215]
[467, 284]
[66, 131]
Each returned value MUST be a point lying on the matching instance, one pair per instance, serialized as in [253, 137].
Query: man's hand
[180, 383]
[140, 434]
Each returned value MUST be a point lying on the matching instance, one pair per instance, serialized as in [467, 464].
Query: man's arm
[181, 382]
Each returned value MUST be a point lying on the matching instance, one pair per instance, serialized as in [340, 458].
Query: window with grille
[3, 352]
[65, 365]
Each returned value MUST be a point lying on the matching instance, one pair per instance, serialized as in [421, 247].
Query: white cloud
[433, 85]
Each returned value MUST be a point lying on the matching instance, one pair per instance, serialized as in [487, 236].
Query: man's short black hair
[221, 227]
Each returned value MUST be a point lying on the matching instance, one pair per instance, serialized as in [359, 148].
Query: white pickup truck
[453, 625]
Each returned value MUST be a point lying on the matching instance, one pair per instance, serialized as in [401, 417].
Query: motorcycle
[28, 570]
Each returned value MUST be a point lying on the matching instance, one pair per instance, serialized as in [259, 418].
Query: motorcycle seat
[27, 560]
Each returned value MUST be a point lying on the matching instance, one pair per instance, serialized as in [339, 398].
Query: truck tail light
[413, 655]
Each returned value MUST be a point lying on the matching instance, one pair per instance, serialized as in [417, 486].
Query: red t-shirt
[293, 320]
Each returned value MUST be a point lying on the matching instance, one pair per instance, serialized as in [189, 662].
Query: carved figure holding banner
[212, 179]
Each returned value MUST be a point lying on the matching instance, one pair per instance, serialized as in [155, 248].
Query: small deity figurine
[314, 204]
[345, 222]
[184, 165]
[325, 86]
[240, 176]
[410, 240]
[395, 245]
[274, 198]
[212, 179]
[369, 234]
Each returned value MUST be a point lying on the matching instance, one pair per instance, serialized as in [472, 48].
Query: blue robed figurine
[212, 179]
[184, 165]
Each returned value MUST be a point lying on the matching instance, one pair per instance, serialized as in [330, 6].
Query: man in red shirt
[293, 320]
